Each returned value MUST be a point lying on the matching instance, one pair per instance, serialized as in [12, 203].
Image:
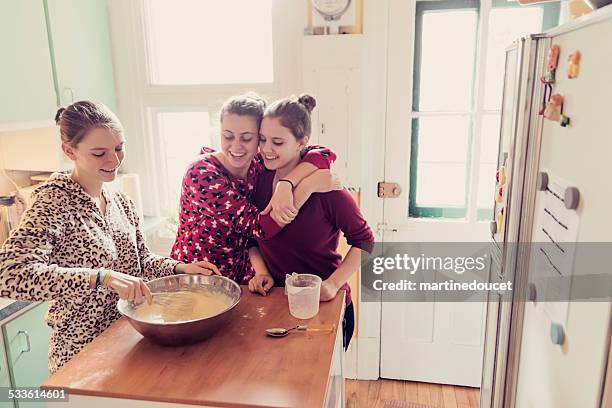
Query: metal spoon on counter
[282, 332]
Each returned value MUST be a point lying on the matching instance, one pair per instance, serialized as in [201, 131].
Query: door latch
[388, 190]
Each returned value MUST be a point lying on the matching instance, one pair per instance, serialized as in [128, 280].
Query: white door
[428, 341]
[441, 148]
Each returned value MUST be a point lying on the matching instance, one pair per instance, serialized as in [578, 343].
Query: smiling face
[277, 144]
[239, 138]
[98, 155]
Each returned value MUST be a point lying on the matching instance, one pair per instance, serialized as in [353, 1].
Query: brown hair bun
[308, 102]
[58, 115]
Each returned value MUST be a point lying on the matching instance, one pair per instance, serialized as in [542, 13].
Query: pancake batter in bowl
[181, 306]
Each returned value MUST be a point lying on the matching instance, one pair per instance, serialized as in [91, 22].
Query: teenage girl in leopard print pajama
[79, 246]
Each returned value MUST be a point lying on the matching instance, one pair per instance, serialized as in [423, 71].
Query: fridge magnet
[499, 219]
[554, 108]
[499, 193]
[551, 66]
[571, 198]
[573, 66]
[547, 93]
[500, 176]
[565, 121]
[557, 334]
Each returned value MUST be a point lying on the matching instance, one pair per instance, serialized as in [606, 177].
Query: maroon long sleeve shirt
[309, 244]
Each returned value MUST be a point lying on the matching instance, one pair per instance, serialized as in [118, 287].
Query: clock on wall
[331, 11]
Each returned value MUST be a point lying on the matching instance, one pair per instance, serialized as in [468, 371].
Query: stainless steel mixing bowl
[190, 331]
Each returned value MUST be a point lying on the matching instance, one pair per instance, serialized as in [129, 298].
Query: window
[209, 41]
[181, 135]
[451, 110]
[197, 53]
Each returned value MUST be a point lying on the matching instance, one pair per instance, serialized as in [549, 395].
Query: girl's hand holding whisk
[128, 287]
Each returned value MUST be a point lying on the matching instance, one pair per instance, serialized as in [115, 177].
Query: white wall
[32, 149]
[21, 178]
[5, 185]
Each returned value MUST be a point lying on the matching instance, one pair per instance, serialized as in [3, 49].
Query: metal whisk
[169, 300]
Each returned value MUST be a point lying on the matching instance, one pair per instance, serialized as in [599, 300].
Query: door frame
[366, 346]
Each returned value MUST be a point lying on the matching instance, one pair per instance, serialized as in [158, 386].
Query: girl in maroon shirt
[216, 216]
[308, 244]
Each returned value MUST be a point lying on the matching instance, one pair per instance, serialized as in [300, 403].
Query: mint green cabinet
[27, 343]
[81, 50]
[54, 52]
[26, 77]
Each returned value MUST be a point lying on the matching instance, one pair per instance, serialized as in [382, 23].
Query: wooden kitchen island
[237, 367]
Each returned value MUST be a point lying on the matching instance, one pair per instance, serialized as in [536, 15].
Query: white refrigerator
[544, 349]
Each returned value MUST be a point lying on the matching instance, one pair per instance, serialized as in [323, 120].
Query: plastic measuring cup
[303, 292]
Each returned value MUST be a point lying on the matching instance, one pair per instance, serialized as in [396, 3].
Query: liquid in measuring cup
[303, 293]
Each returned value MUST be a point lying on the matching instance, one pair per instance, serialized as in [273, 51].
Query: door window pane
[444, 72]
[441, 185]
[209, 41]
[442, 154]
[445, 75]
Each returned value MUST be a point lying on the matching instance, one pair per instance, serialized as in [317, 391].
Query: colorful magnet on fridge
[557, 334]
[551, 66]
[499, 219]
[500, 176]
[554, 108]
[565, 121]
[499, 193]
[573, 67]
[547, 93]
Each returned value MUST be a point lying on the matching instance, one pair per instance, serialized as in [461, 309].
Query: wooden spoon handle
[318, 327]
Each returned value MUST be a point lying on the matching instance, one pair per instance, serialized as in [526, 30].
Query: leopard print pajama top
[63, 237]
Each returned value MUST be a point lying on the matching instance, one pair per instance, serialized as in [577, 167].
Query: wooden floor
[374, 394]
